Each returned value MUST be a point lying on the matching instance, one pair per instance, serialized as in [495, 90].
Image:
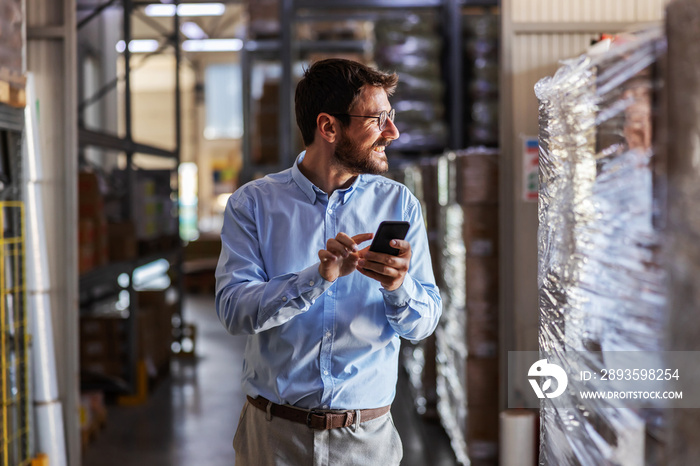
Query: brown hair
[332, 86]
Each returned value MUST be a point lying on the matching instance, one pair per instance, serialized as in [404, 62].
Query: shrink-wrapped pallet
[601, 267]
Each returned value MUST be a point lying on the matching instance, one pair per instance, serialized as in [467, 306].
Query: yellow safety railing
[14, 354]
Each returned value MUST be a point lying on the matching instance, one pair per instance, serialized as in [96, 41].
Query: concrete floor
[191, 416]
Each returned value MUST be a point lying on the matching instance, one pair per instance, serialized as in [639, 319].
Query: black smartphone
[387, 231]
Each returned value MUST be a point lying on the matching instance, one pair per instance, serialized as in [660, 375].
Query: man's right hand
[341, 255]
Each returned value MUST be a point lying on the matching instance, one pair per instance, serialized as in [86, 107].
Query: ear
[327, 127]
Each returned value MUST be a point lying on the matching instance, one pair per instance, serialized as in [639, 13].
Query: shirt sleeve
[247, 300]
[414, 308]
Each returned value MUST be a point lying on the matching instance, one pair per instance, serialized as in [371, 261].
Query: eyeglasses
[381, 118]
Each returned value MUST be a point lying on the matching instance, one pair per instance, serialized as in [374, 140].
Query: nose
[390, 130]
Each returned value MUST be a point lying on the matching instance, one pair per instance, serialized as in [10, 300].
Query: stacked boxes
[12, 79]
[412, 47]
[92, 226]
[456, 370]
[263, 19]
[93, 415]
[121, 240]
[153, 210]
[103, 345]
[156, 309]
[477, 194]
[104, 342]
[481, 33]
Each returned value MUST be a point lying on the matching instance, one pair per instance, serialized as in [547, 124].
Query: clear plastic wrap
[601, 277]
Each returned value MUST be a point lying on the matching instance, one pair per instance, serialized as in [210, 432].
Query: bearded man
[323, 314]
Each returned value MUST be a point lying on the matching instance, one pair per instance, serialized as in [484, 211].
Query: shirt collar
[347, 193]
[311, 190]
[306, 186]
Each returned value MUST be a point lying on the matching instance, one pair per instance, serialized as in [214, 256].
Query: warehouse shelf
[11, 119]
[285, 49]
[110, 272]
[88, 137]
[102, 283]
[359, 4]
[309, 46]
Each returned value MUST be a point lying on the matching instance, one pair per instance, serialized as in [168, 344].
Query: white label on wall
[531, 153]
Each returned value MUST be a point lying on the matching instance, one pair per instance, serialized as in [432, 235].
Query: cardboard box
[263, 19]
[482, 329]
[482, 383]
[121, 241]
[482, 279]
[112, 367]
[477, 178]
[482, 423]
[480, 229]
[90, 202]
[86, 244]
[101, 240]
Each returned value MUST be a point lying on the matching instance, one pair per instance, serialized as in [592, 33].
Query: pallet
[12, 87]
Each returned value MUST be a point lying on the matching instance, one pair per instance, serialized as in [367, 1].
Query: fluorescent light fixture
[138, 46]
[192, 30]
[186, 9]
[212, 45]
[201, 9]
[160, 10]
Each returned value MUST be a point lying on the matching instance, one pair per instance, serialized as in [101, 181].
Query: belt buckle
[311, 413]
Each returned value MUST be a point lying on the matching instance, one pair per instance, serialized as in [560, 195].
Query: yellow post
[141, 395]
[41, 459]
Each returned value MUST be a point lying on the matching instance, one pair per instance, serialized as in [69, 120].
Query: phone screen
[387, 231]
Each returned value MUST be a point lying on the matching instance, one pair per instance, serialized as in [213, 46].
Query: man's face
[360, 146]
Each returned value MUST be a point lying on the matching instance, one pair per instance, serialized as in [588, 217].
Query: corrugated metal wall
[588, 11]
[536, 35]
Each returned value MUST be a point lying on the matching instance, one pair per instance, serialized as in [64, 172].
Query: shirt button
[326, 406]
[325, 372]
[330, 292]
[328, 334]
[284, 298]
[311, 283]
[330, 211]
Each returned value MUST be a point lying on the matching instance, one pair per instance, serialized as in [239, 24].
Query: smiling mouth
[381, 145]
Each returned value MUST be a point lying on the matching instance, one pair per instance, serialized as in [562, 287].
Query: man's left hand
[387, 269]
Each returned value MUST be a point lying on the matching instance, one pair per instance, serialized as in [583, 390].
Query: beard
[357, 160]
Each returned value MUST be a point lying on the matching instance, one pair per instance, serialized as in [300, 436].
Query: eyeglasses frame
[382, 115]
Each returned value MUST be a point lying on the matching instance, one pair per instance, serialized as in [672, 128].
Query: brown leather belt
[319, 420]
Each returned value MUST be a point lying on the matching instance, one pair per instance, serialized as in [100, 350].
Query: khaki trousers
[260, 441]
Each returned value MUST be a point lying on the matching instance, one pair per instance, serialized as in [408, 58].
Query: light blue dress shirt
[314, 343]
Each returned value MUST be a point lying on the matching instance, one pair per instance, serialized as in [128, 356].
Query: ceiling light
[212, 45]
[192, 30]
[160, 10]
[138, 46]
[186, 9]
[201, 9]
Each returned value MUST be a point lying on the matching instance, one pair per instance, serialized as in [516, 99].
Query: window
[223, 101]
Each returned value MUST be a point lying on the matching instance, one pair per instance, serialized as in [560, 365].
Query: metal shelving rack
[286, 48]
[16, 411]
[103, 280]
